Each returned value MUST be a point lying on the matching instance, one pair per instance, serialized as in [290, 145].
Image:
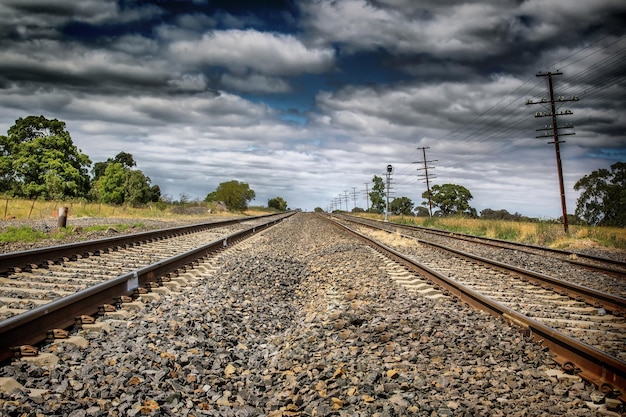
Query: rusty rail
[595, 366]
[612, 266]
[9, 261]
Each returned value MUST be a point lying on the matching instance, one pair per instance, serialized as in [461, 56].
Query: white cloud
[52, 61]
[254, 83]
[463, 30]
[243, 50]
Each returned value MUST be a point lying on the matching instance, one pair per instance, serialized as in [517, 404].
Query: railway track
[511, 250]
[302, 322]
[47, 289]
[584, 327]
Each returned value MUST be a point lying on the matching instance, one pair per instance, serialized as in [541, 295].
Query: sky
[309, 100]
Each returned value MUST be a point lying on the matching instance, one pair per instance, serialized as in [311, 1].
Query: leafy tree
[137, 188]
[111, 184]
[422, 211]
[318, 210]
[234, 194]
[451, 199]
[377, 195]
[39, 159]
[116, 182]
[155, 192]
[123, 158]
[54, 185]
[501, 214]
[603, 198]
[277, 203]
[401, 205]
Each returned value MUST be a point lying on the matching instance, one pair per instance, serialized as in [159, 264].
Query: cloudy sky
[308, 100]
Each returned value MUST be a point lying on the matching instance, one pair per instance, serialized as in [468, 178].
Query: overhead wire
[611, 66]
[504, 123]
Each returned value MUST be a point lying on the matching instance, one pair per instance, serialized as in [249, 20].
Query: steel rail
[10, 261]
[610, 302]
[31, 328]
[565, 256]
[592, 364]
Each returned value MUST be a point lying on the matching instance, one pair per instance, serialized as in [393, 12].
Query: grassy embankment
[540, 233]
[15, 210]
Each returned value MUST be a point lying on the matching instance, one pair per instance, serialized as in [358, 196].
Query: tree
[451, 199]
[137, 188]
[401, 205]
[110, 186]
[39, 159]
[234, 194]
[377, 195]
[501, 215]
[603, 198]
[277, 203]
[116, 182]
[123, 158]
[422, 211]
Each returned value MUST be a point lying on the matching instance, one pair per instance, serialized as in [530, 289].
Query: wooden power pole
[553, 131]
[430, 203]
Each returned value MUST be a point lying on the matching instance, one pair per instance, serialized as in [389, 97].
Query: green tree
[451, 199]
[137, 188]
[234, 194]
[123, 158]
[377, 195]
[318, 210]
[603, 198]
[401, 205]
[110, 186]
[155, 192]
[501, 215]
[116, 182]
[39, 159]
[422, 211]
[277, 203]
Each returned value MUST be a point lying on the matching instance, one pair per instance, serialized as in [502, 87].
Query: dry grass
[37, 209]
[393, 239]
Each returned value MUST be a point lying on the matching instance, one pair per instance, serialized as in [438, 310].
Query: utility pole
[346, 195]
[554, 128]
[387, 188]
[367, 196]
[430, 203]
[354, 196]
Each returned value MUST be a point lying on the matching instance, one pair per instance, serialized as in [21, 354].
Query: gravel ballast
[305, 322]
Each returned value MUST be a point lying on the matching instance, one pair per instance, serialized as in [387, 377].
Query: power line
[504, 123]
[501, 123]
